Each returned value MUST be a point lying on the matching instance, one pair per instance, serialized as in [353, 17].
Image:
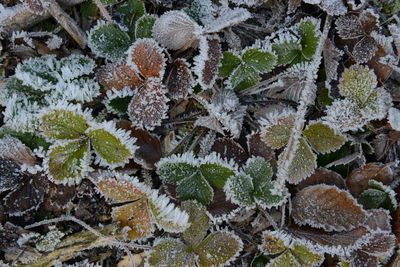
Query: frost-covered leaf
[218, 248]
[262, 61]
[229, 62]
[145, 57]
[285, 259]
[13, 149]
[148, 107]
[215, 170]
[323, 138]
[327, 207]
[358, 83]
[121, 190]
[243, 77]
[394, 118]
[177, 167]
[277, 129]
[199, 222]
[305, 257]
[35, 6]
[287, 49]
[378, 196]
[114, 147]
[109, 41]
[323, 176]
[10, 174]
[365, 49]
[332, 55]
[118, 102]
[349, 27]
[195, 187]
[180, 80]
[170, 252]
[303, 163]
[131, 11]
[229, 149]
[68, 163]
[63, 124]
[274, 242]
[208, 61]
[332, 7]
[308, 31]
[144, 26]
[239, 189]
[118, 76]
[166, 215]
[227, 18]
[176, 30]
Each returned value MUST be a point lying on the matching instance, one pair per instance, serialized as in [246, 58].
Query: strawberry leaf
[323, 138]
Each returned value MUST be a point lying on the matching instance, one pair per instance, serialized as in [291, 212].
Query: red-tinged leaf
[145, 57]
[118, 76]
[357, 182]
[207, 62]
[149, 106]
[257, 148]
[120, 190]
[137, 217]
[180, 79]
[229, 149]
[369, 21]
[323, 176]
[381, 70]
[327, 207]
[27, 196]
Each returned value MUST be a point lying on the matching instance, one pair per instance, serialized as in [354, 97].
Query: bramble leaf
[195, 187]
[262, 61]
[215, 173]
[277, 133]
[63, 124]
[218, 248]
[109, 41]
[118, 75]
[144, 26]
[199, 222]
[305, 257]
[286, 259]
[273, 243]
[170, 252]
[68, 163]
[239, 189]
[303, 164]
[243, 77]
[323, 138]
[229, 62]
[287, 50]
[307, 31]
[176, 168]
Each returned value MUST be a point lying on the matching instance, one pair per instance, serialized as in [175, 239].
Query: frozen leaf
[287, 49]
[176, 30]
[227, 18]
[239, 189]
[118, 76]
[199, 222]
[201, 11]
[117, 102]
[308, 31]
[332, 7]
[323, 138]
[365, 49]
[170, 252]
[327, 207]
[358, 180]
[131, 11]
[332, 55]
[276, 131]
[35, 6]
[136, 216]
[49, 241]
[114, 147]
[144, 26]
[274, 242]
[208, 61]
[379, 219]
[109, 41]
[166, 215]
[145, 57]
[218, 248]
[229, 149]
[394, 118]
[378, 196]
[229, 62]
[10, 174]
[149, 106]
[305, 257]
[215, 170]
[262, 61]
[243, 77]
[64, 124]
[258, 148]
[323, 176]
[175, 168]
[180, 79]
[285, 259]
[13, 149]
[303, 163]
[195, 187]
[349, 27]
[68, 163]
[120, 190]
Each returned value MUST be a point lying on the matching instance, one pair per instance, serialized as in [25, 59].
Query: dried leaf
[323, 176]
[227, 18]
[10, 174]
[180, 80]
[349, 27]
[199, 222]
[170, 252]
[118, 76]
[229, 149]
[365, 49]
[327, 207]
[13, 149]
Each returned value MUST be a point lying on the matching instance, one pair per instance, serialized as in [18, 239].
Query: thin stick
[103, 11]
[268, 217]
[66, 22]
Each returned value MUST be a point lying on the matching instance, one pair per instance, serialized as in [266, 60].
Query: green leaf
[286, 259]
[303, 164]
[199, 222]
[287, 51]
[63, 124]
[144, 26]
[131, 11]
[277, 135]
[176, 168]
[378, 196]
[218, 248]
[259, 170]
[305, 257]
[216, 174]
[170, 252]
[323, 138]
[29, 139]
[109, 2]
[239, 188]
[243, 77]
[307, 30]
[120, 104]
[110, 149]
[88, 9]
[262, 61]
[195, 187]
[228, 63]
[109, 41]
[68, 163]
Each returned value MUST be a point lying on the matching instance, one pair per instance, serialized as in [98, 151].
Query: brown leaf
[365, 49]
[332, 55]
[381, 70]
[378, 219]
[13, 149]
[357, 182]
[229, 149]
[145, 56]
[361, 258]
[220, 206]
[396, 224]
[327, 207]
[149, 106]
[118, 76]
[180, 79]
[149, 151]
[258, 148]
[35, 6]
[323, 176]
[58, 198]
[10, 174]
[369, 22]
[208, 61]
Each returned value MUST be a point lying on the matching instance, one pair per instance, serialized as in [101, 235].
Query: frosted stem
[307, 98]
